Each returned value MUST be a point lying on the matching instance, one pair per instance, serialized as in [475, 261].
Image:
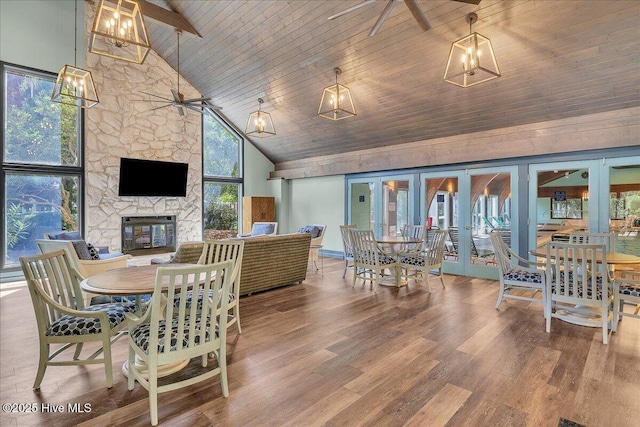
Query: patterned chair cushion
[580, 288]
[140, 335]
[418, 261]
[189, 296]
[71, 325]
[382, 259]
[518, 275]
[633, 291]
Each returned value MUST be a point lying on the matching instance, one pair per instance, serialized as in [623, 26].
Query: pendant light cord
[75, 35]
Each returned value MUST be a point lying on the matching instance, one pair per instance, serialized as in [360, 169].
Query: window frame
[21, 168]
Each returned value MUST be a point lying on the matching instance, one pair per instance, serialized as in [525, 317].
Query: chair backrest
[501, 251]
[46, 246]
[264, 228]
[607, 239]
[574, 269]
[413, 231]
[435, 246]
[453, 236]
[52, 283]
[212, 280]
[215, 251]
[365, 249]
[346, 239]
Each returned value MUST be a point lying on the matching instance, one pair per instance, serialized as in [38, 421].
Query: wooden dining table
[394, 246]
[131, 281]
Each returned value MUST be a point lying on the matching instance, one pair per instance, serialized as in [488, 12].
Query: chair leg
[236, 314]
[222, 363]
[501, 296]
[346, 265]
[425, 274]
[441, 276]
[130, 362]
[153, 393]
[616, 315]
[76, 355]
[42, 364]
[108, 366]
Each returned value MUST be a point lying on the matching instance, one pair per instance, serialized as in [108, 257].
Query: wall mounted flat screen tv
[152, 178]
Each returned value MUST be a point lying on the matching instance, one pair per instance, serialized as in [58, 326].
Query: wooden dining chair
[626, 291]
[429, 259]
[347, 254]
[162, 336]
[62, 318]
[214, 251]
[369, 262]
[520, 278]
[578, 290]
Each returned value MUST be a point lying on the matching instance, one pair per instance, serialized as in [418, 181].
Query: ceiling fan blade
[387, 10]
[476, 2]
[351, 9]
[157, 96]
[180, 109]
[211, 107]
[418, 14]
[162, 106]
[187, 101]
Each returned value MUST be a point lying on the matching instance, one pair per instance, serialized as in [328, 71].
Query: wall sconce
[119, 31]
[478, 62]
[336, 102]
[74, 86]
[260, 123]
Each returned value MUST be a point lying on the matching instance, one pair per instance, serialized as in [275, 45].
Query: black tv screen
[152, 178]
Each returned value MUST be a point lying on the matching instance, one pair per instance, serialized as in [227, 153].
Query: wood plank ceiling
[558, 59]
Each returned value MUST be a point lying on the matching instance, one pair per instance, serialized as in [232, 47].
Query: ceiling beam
[173, 19]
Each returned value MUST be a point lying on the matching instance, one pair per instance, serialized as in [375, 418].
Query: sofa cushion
[65, 235]
[93, 251]
[313, 229]
[259, 229]
[81, 249]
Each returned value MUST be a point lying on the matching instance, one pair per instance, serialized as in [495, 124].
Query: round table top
[136, 280]
[398, 240]
[612, 257]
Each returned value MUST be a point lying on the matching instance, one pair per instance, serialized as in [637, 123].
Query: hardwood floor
[324, 353]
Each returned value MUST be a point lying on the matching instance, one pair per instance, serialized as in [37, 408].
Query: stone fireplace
[148, 234]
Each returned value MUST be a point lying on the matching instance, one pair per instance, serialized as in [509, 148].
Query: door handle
[468, 227]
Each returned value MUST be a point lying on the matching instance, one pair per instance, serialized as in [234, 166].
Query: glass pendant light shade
[336, 102]
[119, 31]
[260, 123]
[471, 59]
[74, 86]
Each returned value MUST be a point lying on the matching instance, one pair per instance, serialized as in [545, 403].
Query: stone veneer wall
[119, 127]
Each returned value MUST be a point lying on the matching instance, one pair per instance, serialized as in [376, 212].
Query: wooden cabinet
[257, 209]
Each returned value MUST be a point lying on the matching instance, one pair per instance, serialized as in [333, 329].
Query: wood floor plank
[324, 353]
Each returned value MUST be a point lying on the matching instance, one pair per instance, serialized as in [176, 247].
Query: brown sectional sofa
[273, 261]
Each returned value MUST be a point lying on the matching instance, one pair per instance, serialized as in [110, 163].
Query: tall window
[41, 163]
[222, 177]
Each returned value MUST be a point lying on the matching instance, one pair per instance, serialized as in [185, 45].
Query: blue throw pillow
[312, 229]
[65, 235]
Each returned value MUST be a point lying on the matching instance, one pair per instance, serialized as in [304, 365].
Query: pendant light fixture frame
[119, 31]
[336, 102]
[74, 85]
[478, 63]
[259, 123]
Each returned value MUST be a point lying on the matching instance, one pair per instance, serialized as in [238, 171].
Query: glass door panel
[381, 204]
[624, 204]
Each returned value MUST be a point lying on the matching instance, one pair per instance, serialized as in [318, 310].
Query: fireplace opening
[142, 235]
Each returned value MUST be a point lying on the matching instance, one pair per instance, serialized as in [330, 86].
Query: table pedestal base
[163, 370]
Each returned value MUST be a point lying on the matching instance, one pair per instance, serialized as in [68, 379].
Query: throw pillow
[81, 249]
[315, 231]
[93, 251]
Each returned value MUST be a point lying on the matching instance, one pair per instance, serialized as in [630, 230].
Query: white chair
[215, 251]
[347, 253]
[161, 336]
[577, 291]
[520, 278]
[316, 241]
[607, 239]
[413, 231]
[262, 229]
[62, 317]
[86, 267]
[626, 290]
[429, 259]
[369, 262]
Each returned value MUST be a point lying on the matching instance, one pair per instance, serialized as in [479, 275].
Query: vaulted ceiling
[558, 59]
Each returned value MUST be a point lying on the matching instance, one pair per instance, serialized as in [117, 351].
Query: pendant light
[336, 102]
[74, 85]
[477, 61]
[260, 123]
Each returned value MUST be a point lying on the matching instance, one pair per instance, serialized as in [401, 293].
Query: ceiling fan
[411, 4]
[178, 101]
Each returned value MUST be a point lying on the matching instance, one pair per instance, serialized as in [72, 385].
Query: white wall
[41, 42]
[318, 201]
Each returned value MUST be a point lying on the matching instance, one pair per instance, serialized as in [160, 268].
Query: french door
[382, 204]
[470, 204]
